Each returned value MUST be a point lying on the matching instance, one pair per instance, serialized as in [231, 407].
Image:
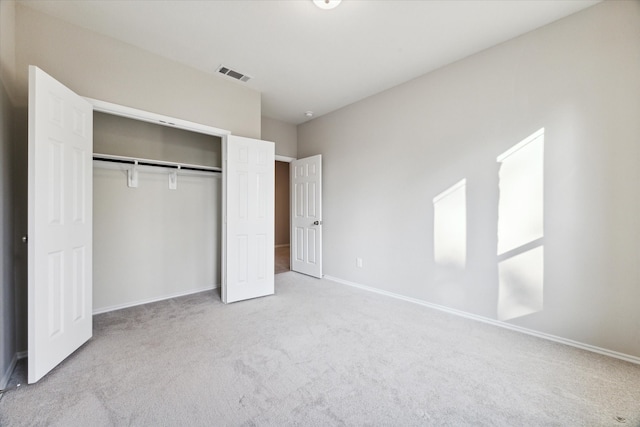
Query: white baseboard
[154, 299]
[561, 340]
[6, 376]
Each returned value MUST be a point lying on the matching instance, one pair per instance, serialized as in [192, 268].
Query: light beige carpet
[282, 260]
[321, 354]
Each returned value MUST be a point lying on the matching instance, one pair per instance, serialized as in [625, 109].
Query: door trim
[159, 119]
[285, 159]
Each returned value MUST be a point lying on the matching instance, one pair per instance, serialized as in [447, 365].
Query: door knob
[24, 239]
[317, 222]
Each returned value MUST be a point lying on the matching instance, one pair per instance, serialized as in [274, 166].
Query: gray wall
[283, 134]
[103, 68]
[151, 242]
[7, 292]
[385, 159]
[133, 138]
[7, 297]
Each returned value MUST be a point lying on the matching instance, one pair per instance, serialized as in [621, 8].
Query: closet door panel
[60, 190]
[248, 211]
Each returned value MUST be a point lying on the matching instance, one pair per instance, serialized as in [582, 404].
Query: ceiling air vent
[233, 74]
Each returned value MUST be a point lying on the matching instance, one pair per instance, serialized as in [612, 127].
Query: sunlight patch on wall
[450, 226]
[521, 193]
[521, 284]
[521, 228]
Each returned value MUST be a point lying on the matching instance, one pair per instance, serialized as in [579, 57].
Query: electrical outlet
[359, 262]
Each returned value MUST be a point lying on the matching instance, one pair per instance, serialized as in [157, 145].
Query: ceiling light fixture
[326, 4]
[308, 114]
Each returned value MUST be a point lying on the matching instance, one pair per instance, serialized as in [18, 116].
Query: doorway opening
[282, 218]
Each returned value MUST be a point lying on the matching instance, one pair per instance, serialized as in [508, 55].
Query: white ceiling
[303, 58]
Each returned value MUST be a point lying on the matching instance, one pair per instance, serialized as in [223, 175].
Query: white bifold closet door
[248, 194]
[59, 223]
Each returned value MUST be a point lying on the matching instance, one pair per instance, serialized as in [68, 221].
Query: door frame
[287, 159]
[146, 116]
[159, 119]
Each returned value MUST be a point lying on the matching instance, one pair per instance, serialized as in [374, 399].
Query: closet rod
[156, 163]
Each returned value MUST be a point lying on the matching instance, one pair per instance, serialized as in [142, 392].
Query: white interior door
[59, 224]
[248, 192]
[306, 215]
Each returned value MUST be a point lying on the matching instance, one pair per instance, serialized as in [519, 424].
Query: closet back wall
[151, 242]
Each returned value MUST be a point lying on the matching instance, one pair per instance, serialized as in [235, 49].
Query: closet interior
[156, 212]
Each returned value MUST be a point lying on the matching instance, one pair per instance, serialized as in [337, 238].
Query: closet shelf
[157, 163]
